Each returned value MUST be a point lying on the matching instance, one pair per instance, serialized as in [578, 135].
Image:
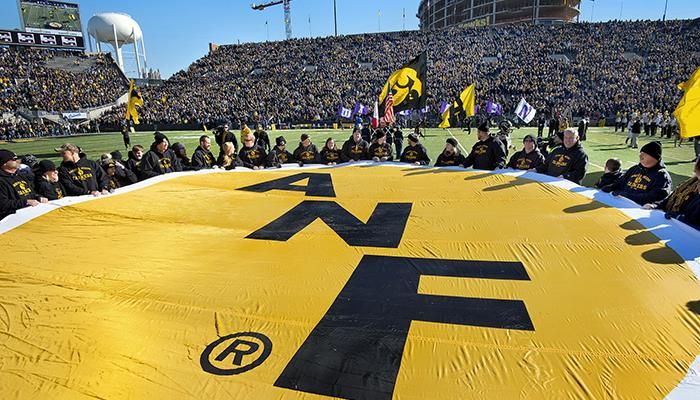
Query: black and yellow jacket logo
[81, 174]
[22, 188]
[561, 160]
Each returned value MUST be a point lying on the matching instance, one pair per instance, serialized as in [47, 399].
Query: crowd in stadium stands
[613, 67]
[28, 182]
[29, 81]
[23, 129]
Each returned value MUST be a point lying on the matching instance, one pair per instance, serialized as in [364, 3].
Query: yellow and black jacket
[524, 161]
[417, 153]
[487, 155]
[643, 185]
[15, 190]
[155, 163]
[82, 177]
[354, 151]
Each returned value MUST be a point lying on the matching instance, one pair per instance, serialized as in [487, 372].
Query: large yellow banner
[368, 282]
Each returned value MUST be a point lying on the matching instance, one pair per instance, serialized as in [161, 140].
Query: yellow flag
[463, 106]
[468, 98]
[135, 100]
[688, 110]
[445, 119]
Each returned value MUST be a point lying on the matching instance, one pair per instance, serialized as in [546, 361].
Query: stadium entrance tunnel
[348, 282]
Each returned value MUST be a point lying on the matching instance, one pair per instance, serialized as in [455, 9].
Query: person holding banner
[330, 154]
[569, 161]
[488, 153]
[306, 153]
[415, 153]
[279, 154]
[380, 150]
[355, 148]
[529, 157]
[450, 156]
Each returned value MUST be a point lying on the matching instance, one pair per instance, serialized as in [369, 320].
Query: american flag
[389, 109]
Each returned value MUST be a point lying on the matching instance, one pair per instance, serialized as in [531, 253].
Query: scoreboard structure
[52, 17]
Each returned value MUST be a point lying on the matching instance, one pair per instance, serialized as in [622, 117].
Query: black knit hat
[483, 128]
[116, 155]
[159, 138]
[5, 156]
[380, 133]
[653, 149]
[304, 136]
[281, 141]
[451, 141]
[46, 166]
[413, 137]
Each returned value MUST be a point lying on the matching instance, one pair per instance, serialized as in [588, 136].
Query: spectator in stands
[81, 176]
[612, 172]
[529, 158]
[488, 153]
[647, 182]
[47, 183]
[684, 203]
[380, 150]
[330, 154]
[306, 153]
[15, 191]
[134, 161]
[118, 175]
[202, 158]
[355, 148]
[279, 154]
[160, 159]
[569, 161]
[251, 155]
[450, 156]
[415, 153]
[227, 158]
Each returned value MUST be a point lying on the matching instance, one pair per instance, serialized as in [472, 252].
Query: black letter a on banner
[319, 185]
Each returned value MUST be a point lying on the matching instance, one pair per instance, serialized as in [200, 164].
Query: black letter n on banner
[384, 228]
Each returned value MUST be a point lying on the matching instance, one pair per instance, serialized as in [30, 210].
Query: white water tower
[118, 29]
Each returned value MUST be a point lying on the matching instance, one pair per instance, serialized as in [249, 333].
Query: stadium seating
[600, 77]
[37, 79]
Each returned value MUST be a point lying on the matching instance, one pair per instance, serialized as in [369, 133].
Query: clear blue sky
[178, 32]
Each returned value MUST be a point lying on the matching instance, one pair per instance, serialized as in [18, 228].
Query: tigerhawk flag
[348, 283]
[461, 108]
[688, 110]
[408, 86]
[135, 100]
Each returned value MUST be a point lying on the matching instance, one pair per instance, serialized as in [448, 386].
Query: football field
[601, 145]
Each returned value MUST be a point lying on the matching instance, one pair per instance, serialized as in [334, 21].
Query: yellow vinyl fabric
[120, 297]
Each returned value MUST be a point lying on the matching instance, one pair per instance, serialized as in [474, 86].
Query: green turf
[602, 144]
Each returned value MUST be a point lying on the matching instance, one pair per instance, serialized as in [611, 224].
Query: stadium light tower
[287, 13]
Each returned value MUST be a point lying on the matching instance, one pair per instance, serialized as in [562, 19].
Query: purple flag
[443, 106]
[360, 109]
[344, 112]
[494, 108]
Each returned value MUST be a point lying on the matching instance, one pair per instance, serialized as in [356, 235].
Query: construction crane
[287, 13]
